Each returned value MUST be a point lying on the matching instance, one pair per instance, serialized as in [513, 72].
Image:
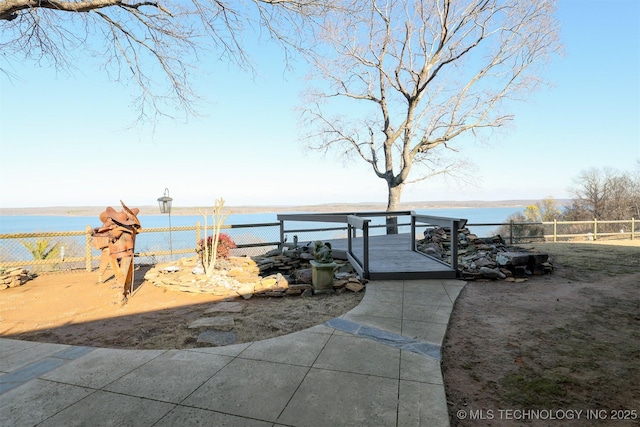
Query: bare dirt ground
[556, 344]
[72, 309]
[561, 343]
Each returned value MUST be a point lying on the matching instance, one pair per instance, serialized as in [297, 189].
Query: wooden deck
[391, 258]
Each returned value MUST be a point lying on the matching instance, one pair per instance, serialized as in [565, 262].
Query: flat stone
[18, 272]
[268, 282]
[354, 287]
[225, 307]
[217, 337]
[492, 273]
[521, 258]
[339, 284]
[245, 291]
[301, 288]
[275, 294]
[483, 262]
[225, 323]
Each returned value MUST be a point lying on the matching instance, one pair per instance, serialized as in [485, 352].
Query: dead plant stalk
[217, 219]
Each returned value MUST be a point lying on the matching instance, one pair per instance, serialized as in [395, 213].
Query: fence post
[413, 232]
[555, 230]
[632, 227]
[595, 229]
[88, 256]
[281, 245]
[511, 232]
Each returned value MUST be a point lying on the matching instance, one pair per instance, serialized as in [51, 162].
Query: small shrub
[40, 249]
[225, 244]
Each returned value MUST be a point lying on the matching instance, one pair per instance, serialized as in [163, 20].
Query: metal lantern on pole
[164, 203]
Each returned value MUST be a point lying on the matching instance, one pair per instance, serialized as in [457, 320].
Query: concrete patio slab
[385, 323]
[334, 398]
[249, 388]
[430, 332]
[183, 415]
[114, 409]
[359, 355]
[101, 367]
[299, 348]
[170, 377]
[19, 356]
[38, 400]
[422, 404]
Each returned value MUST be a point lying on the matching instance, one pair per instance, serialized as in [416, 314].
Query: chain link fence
[44, 252]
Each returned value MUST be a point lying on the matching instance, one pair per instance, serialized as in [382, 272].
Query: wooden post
[595, 229]
[88, 256]
[511, 232]
[555, 230]
[632, 227]
[281, 245]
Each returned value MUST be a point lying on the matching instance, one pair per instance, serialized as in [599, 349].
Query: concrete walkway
[378, 365]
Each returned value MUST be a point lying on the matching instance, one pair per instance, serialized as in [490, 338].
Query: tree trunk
[393, 204]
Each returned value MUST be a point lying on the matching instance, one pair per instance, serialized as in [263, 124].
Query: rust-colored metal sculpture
[116, 239]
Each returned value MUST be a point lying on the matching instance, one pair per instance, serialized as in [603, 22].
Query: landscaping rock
[14, 277]
[483, 258]
[354, 287]
[492, 273]
[217, 338]
[225, 323]
[271, 275]
[225, 307]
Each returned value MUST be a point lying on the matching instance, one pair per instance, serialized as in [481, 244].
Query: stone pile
[276, 274]
[484, 258]
[14, 277]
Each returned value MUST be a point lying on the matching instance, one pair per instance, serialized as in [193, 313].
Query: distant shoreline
[326, 207]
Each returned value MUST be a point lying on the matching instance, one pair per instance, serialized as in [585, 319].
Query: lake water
[29, 224]
[15, 249]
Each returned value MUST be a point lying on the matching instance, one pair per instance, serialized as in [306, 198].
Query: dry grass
[569, 340]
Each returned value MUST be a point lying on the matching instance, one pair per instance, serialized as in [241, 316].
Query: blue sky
[61, 133]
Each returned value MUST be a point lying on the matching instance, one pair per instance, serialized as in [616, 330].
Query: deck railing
[353, 222]
[453, 224]
[361, 221]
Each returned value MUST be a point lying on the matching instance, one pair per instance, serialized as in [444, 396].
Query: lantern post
[164, 203]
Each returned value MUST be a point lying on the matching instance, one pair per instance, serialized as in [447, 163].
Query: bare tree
[152, 43]
[606, 194]
[423, 74]
[634, 201]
